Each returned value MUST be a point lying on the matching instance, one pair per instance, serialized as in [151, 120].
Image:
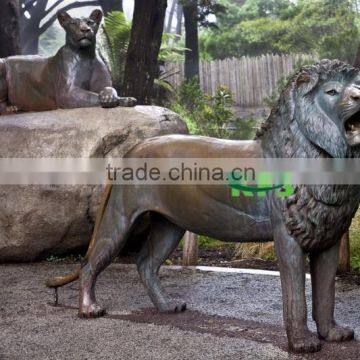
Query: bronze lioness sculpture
[75, 77]
[318, 115]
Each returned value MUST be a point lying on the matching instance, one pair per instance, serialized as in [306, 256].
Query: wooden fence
[250, 79]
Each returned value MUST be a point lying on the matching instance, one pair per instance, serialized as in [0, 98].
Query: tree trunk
[171, 17]
[344, 255]
[191, 39]
[357, 58]
[111, 5]
[9, 28]
[190, 252]
[30, 28]
[30, 41]
[179, 18]
[145, 41]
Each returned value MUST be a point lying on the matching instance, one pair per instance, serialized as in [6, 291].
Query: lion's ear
[306, 82]
[64, 18]
[302, 78]
[96, 16]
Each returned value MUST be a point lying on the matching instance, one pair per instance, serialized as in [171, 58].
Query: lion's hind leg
[163, 240]
[112, 236]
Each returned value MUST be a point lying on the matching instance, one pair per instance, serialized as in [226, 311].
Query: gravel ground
[231, 316]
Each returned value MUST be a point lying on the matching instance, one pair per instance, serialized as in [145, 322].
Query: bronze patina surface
[75, 77]
[318, 115]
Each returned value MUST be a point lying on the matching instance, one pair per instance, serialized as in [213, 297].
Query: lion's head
[80, 32]
[322, 104]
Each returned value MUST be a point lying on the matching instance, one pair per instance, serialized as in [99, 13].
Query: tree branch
[52, 7]
[74, 5]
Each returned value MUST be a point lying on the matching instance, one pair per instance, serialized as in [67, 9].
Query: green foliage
[355, 262]
[208, 243]
[355, 243]
[116, 36]
[172, 49]
[211, 115]
[245, 129]
[323, 27]
[204, 9]
[204, 114]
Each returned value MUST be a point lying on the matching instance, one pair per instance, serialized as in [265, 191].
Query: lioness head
[326, 100]
[80, 32]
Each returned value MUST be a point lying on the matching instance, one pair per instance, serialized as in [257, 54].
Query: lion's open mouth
[352, 129]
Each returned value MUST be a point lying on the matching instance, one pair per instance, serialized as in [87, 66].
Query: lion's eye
[332, 92]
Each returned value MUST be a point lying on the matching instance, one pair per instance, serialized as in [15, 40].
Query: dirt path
[231, 316]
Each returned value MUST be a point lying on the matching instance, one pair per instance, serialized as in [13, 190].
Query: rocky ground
[230, 316]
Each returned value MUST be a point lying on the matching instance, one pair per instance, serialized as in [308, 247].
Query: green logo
[265, 181]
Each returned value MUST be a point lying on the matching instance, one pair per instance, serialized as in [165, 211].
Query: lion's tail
[63, 280]
[66, 279]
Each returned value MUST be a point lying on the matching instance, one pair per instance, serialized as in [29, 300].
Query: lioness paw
[109, 98]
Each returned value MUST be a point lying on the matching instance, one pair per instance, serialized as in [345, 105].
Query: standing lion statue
[317, 116]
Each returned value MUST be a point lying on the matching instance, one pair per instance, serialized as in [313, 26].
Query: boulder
[38, 221]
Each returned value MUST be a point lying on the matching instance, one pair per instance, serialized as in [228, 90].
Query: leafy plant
[171, 49]
[245, 129]
[204, 114]
[116, 36]
[322, 27]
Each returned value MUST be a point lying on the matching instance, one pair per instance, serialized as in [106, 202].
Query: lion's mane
[316, 216]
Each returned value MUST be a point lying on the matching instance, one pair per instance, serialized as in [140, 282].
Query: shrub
[205, 115]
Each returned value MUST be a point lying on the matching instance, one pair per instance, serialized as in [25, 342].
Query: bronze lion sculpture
[318, 115]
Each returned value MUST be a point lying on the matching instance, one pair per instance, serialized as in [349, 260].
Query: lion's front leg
[109, 99]
[292, 271]
[323, 270]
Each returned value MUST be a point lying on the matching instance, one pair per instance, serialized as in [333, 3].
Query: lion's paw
[180, 308]
[338, 333]
[109, 98]
[307, 343]
[172, 308]
[91, 311]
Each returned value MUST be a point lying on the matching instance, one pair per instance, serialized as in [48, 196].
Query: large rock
[36, 221]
